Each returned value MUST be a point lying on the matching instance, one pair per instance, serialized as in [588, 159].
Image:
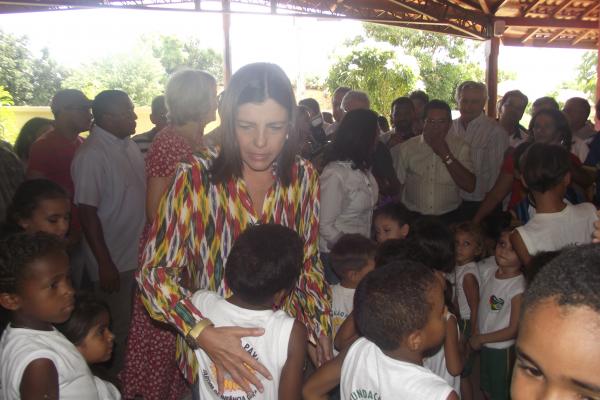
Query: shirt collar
[107, 136]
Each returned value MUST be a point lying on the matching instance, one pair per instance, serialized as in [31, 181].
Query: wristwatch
[192, 335]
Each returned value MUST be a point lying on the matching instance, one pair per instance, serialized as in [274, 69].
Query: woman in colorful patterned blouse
[150, 369]
[256, 178]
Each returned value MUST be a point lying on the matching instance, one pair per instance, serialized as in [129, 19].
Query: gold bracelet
[199, 328]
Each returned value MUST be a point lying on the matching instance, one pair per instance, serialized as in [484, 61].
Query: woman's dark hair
[396, 212]
[561, 124]
[545, 166]
[255, 83]
[355, 139]
[27, 198]
[29, 134]
[436, 241]
[85, 316]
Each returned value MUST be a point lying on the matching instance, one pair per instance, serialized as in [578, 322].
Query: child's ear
[404, 229]
[10, 301]
[414, 341]
[567, 179]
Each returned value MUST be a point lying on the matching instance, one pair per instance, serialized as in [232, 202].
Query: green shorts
[496, 371]
[464, 325]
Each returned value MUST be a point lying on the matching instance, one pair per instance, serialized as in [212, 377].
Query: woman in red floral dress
[151, 371]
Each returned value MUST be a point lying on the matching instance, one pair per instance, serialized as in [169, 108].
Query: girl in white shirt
[88, 329]
[349, 191]
[38, 362]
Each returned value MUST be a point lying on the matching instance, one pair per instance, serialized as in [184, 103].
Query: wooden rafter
[530, 35]
[555, 36]
[580, 37]
[499, 6]
[530, 7]
[550, 23]
[566, 4]
[591, 8]
[485, 7]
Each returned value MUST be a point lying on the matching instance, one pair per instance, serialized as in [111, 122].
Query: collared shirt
[428, 187]
[108, 173]
[144, 140]
[586, 132]
[192, 235]
[488, 142]
[348, 197]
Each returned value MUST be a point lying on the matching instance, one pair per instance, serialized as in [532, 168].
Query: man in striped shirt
[159, 119]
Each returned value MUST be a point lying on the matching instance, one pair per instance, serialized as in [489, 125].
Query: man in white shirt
[486, 138]
[435, 166]
[510, 111]
[577, 110]
[110, 191]
[336, 108]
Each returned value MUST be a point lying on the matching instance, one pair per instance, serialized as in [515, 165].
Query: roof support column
[598, 75]
[491, 74]
[225, 5]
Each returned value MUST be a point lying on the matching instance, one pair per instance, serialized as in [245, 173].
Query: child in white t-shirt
[399, 308]
[469, 247]
[263, 266]
[88, 329]
[498, 321]
[352, 257]
[547, 174]
[38, 362]
[557, 348]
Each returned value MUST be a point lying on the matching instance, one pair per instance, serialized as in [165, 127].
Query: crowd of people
[292, 253]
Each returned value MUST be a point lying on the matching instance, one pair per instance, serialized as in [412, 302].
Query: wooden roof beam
[530, 7]
[550, 23]
[499, 6]
[590, 9]
[485, 7]
[560, 44]
[562, 7]
[579, 38]
[555, 36]
[529, 35]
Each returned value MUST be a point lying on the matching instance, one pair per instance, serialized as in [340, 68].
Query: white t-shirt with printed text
[367, 373]
[270, 349]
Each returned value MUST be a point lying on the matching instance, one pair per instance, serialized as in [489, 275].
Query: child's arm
[510, 332]
[325, 379]
[39, 381]
[346, 335]
[290, 384]
[519, 246]
[454, 362]
[471, 288]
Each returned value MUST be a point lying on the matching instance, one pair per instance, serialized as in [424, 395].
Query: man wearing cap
[50, 157]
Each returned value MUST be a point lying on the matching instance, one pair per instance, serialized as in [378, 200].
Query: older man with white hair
[486, 138]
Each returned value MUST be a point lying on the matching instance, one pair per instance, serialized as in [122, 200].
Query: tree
[138, 73]
[586, 73]
[47, 78]
[444, 60]
[7, 116]
[15, 67]
[380, 73]
[175, 53]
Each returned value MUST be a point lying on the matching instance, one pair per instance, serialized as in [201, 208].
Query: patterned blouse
[196, 226]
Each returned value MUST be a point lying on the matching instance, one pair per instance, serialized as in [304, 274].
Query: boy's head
[401, 305]
[545, 167]
[35, 283]
[558, 353]
[436, 240]
[352, 257]
[264, 261]
[391, 221]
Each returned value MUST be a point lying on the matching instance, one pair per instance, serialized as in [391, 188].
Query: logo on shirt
[364, 394]
[496, 303]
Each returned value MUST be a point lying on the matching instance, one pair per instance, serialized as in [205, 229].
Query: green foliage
[138, 73]
[175, 53]
[444, 60]
[587, 73]
[7, 116]
[47, 78]
[377, 72]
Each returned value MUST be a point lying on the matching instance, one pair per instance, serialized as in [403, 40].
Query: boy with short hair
[263, 266]
[399, 308]
[352, 257]
[558, 353]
